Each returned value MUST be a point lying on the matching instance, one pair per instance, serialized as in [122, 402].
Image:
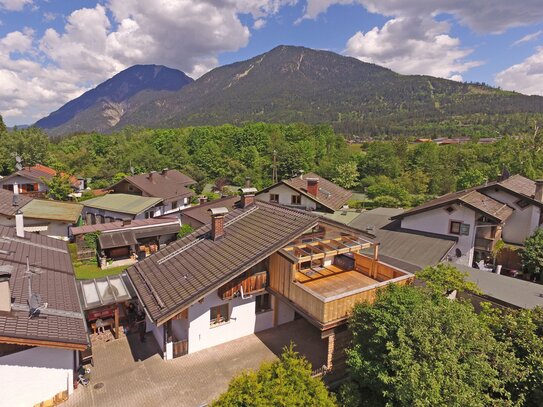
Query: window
[449, 209]
[455, 227]
[174, 205]
[130, 188]
[522, 203]
[149, 214]
[219, 315]
[296, 200]
[263, 303]
[274, 198]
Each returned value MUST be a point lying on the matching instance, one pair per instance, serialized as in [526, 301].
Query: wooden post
[331, 348]
[375, 260]
[275, 305]
[116, 321]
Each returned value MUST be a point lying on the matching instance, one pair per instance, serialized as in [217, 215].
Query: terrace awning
[103, 291]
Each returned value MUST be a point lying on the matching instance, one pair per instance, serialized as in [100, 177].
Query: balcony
[328, 292]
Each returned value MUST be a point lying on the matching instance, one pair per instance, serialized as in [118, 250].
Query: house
[198, 216]
[51, 218]
[414, 249]
[253, 268]
[509, 209]
[46, 217]
[309, 192]
[42, 327]
[118, 207]
[30, 180]
[126, 240]
[170, 185]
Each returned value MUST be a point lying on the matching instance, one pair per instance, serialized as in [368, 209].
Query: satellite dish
[35, 305]
[18, 159]
[18, 166]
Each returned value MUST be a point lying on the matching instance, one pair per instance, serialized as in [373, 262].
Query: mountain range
[287, 84]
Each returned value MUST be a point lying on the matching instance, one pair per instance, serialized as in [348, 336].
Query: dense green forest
[391, 173]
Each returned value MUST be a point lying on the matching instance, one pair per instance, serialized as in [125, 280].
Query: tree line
[390, 173]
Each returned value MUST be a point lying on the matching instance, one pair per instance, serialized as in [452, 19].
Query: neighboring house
[29, 180]
[46, 217]
[198, 216]
[123, 240]
[170, 185]
[309, 192]
[254, 268]
[415, 249]
[41, 335]
[51, 218]
[119, 207]
[509, 209]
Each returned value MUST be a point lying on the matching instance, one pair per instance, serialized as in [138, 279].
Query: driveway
[128, 373]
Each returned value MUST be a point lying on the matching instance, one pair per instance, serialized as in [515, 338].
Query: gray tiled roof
[189, 268]
[62, 322]
[6, 202]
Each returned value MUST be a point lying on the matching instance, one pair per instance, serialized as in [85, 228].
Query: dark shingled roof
[517, 184]
[200, 213]
[419, 249]
[6, 202]
[189, 268]
[117, 239]
[469, 197]
[62, 323]
[168, 184]
[330, 195]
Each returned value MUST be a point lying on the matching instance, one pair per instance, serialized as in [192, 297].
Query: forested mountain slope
[297, 84]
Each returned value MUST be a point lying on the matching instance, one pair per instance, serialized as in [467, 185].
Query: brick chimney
[217, 222]
[5, 292]
[538, 190]
[202, 199]
[150, 176]
[164, 171]
[312, 186]
[247, 196]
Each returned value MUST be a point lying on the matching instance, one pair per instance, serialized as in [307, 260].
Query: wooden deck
[332, 280]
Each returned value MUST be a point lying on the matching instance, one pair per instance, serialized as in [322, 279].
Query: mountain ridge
[298, 84]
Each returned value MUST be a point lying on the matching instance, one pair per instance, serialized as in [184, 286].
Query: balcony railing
[250, 284]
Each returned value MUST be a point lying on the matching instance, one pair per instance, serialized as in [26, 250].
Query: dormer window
[522, 203]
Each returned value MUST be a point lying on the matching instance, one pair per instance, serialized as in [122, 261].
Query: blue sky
[52, 51]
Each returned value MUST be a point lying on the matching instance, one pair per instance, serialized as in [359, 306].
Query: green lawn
[87, 271]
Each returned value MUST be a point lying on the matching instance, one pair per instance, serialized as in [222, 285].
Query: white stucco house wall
[510, 209]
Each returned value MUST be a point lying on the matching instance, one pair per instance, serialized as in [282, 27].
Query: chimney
[247, 196]
[301, 174]
[150, 176]
[312, 186]
[202, 199]
[19, 224]
[538, 190]
[164, 171]
[217, 222]
[15, 200]
[5, 292]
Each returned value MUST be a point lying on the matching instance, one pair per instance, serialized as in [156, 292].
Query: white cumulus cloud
[525, 77]
[412, 45]
[39, 74]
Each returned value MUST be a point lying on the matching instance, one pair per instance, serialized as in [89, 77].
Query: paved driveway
[128, 374]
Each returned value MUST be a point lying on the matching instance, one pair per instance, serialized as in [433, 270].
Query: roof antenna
[35, 304]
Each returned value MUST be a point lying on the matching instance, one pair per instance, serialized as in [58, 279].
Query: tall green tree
[347, 175]
[532, 254]
[59, 187]
[283, 383]
[415, 349]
